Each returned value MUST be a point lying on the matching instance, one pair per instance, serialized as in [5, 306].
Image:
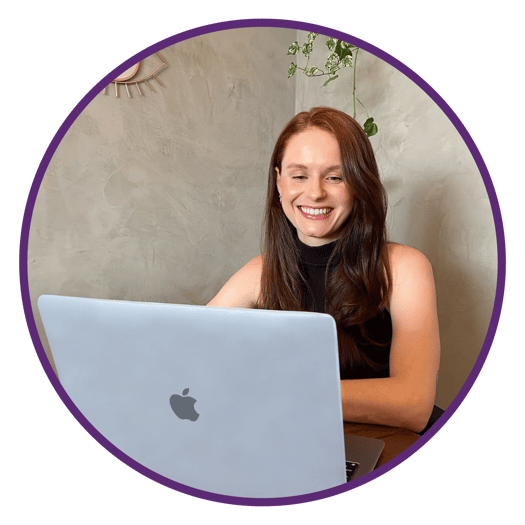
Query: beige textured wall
[160, 198]
[437, 199]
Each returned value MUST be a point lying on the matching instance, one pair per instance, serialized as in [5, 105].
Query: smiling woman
[326, 251]
[314, 196]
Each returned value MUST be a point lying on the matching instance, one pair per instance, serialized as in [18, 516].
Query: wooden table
[396, 439]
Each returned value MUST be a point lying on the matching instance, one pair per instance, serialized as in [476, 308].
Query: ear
[278, 180]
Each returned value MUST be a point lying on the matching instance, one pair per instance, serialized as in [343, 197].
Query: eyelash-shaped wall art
[128, 78]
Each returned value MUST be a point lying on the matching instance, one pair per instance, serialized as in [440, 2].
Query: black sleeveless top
[314, 260]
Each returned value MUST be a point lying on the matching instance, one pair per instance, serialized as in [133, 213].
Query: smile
[315, 213]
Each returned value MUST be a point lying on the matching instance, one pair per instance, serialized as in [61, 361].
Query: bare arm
[242, 289]
[406, 398]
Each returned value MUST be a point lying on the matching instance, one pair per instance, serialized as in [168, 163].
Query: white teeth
[316, 211]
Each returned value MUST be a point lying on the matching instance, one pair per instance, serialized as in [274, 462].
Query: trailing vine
[340, 55]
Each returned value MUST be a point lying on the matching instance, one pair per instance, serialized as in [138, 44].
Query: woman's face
[314, 196]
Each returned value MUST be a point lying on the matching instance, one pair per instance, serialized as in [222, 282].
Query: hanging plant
[340, 55]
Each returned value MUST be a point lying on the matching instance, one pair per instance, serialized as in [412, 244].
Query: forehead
[313, 146]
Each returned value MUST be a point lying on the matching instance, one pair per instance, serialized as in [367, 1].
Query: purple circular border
[285, 24]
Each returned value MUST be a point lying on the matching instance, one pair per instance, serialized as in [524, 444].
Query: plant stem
[364, 107]
[355, 69]
[321, 74]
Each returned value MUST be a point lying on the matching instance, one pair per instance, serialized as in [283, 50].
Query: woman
[326, 251]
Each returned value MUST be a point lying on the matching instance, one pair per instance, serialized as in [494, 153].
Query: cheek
[346, 200]
[346, 207]
[290, 191]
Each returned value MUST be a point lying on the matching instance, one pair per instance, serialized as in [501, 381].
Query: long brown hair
[359, 286]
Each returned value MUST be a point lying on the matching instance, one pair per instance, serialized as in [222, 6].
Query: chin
[317, 239]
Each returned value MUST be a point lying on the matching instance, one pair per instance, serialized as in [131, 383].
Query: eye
[335, 178]
[139, 75]
[298, 177]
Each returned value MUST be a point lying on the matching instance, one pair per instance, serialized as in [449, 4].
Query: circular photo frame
[237, 83]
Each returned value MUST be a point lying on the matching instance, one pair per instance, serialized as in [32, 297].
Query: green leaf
[312, 36]
[307, 49]
[338, 49]
[347, 61]
[292, 69]
[330, 80]
[293, 49]
[330, 44]
[342, 49]
[332, 64]
[372, 130]
[370, 127]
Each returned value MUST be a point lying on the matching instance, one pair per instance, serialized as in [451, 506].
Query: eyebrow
[303, 167]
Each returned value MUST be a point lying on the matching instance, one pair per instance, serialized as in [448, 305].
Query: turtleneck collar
[316, 255]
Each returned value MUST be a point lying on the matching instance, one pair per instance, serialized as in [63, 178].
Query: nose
[315, 190]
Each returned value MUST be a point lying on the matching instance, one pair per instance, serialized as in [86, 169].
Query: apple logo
[183, 406]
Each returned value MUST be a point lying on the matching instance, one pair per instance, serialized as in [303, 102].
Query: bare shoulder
[406, 261]
[251, 271]
[413, 287]
[242, 289]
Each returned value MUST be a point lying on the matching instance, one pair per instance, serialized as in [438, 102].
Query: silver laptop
[236, 402]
